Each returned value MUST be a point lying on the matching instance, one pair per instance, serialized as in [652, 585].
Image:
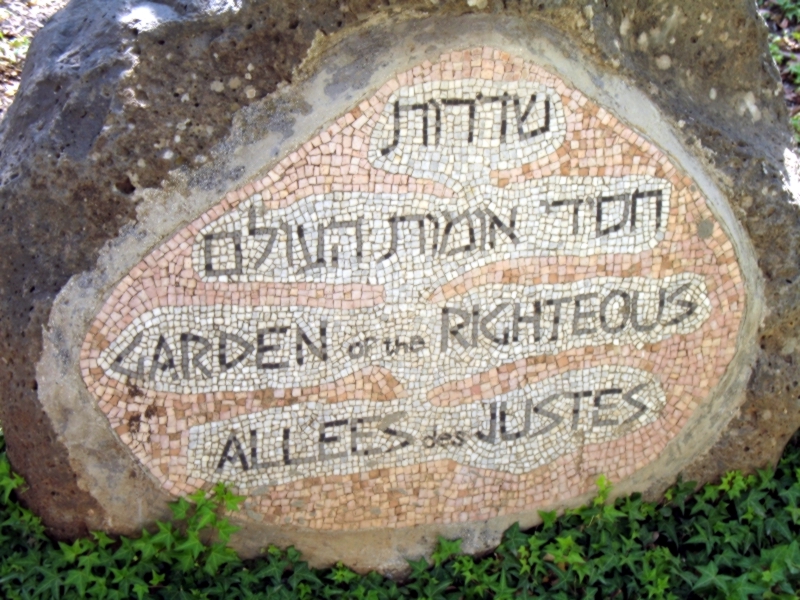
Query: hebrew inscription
[319, 237]
[468, 296]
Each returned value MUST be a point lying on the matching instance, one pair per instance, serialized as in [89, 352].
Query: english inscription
[300, 346]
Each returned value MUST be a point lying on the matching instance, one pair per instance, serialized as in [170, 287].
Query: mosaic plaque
[467, 297]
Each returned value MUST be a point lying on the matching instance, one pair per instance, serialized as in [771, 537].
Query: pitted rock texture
[121, 100]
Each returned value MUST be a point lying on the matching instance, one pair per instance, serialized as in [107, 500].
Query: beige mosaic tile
[430, 312]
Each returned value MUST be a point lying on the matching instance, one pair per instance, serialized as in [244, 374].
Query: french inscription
[545, 419]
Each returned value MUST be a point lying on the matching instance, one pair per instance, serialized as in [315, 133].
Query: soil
[19, 21]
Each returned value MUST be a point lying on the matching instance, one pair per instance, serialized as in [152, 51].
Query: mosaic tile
[428, 313]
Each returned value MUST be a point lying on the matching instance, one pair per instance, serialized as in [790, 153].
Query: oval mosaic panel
[468, 297]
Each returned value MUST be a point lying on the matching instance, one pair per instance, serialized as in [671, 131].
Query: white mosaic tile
[456, 132]
[514, 432]
[391, 238]
[469, 296]
[221, 348]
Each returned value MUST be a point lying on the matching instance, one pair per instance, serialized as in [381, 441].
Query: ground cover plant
[783, 21]
[736, 539]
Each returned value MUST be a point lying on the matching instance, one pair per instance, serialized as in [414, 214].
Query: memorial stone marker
[447, 278]
[475, 273]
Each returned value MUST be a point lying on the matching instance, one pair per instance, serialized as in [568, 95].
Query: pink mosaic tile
[469, 296]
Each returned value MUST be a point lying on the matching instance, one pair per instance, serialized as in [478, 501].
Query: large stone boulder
[392, 272]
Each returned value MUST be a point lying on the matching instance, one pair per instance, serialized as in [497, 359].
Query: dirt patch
[19, 21]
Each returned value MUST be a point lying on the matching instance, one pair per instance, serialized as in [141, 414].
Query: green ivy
[784, 46]
[736, 539]
[790, 9]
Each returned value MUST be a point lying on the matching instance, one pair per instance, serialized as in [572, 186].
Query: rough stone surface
[89, 156]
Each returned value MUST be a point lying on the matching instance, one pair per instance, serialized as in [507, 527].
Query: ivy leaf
[141, 589]
[710, 578]
[8, 481]
[200, 498]
[728, 558]
[79, 579]
[565, 550]
[165, 537]
[217, 556]
[779, 527]
[72, 551]
[144, 545]
[180, 509]
[186, 561]
[464, 566]
[433, 589]
[120, 574]
[225, 530]
[513, 538]
[704, 537]
[302, 574]
[224, 497]
[445, 549]
[610, 513]
[126, 551]
[418, 567]
[582, 569]
[794, 69]
[274, 570]
[681, 492]
[341, 574]
[191, 545]
[784, 556]
[51, 582]
[794, 513]
[603, 490]
[791, 495]
[204, 517]
[711, 492]
[293, 554]
[502, 591]
[102, 539]
[99, 588]
[766, 479]
[87, 561]
[548, 518]
[742, 588]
